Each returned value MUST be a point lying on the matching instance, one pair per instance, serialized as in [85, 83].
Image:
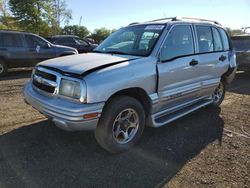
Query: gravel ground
[208, 148]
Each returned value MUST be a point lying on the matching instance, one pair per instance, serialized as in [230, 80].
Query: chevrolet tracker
[145, 74]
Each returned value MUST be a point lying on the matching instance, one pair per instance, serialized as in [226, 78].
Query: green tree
[100, 34]
[80, 31]
[6, 20]
[232, 32]
[31, 15]
[58, 13]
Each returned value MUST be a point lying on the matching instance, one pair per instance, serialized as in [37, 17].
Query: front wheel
[219, 94]
[121, 124]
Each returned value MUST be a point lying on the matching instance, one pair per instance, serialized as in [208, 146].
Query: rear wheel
[219, 94]
[121, 124]
[3, 68]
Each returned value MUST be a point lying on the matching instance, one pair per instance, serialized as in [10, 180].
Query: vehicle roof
[15, 32]
[173, 20]
[62, 36]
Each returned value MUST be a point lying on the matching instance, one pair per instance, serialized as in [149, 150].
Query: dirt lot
[208, 148]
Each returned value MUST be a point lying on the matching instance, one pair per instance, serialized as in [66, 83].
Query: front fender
[104, 83]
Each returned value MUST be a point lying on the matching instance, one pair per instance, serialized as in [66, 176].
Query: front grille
[39, 81]
[45, 75]
[43, 87]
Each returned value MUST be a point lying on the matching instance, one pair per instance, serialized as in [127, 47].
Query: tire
[121, 124]
[218, 95]
[3, 68]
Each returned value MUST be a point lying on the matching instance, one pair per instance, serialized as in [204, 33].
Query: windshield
[132, 40]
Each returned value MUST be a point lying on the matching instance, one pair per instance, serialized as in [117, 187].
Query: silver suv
[145, 74]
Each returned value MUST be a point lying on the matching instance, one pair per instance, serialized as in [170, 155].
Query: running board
[159, 121]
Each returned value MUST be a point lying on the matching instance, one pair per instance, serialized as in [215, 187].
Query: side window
[205, 39]
[66, 40]
[33, 41]
[11, 40]
[178, 43]
[225, 40]
[80, 41]
[217, 40]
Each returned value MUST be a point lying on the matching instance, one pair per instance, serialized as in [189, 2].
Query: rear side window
[11, 40]
[66, 40]
[205, 39]
[217, 40]
[225, 40]
[178, 43]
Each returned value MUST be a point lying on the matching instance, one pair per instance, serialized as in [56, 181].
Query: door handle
[222, 58]
[193, 62]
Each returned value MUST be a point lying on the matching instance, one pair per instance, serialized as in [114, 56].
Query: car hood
[82, 63]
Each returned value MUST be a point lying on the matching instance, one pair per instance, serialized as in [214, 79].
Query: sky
[114, 14]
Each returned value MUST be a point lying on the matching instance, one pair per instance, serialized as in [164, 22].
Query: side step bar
[172, 115]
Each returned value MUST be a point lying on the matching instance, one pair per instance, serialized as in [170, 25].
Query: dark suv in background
[241, 44]
[82, 45]
[20, 49]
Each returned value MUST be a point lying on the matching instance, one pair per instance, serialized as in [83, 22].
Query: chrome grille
[44, 81]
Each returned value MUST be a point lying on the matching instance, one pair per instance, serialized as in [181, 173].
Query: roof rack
[161, 19]
[176, 18]
[200, 19]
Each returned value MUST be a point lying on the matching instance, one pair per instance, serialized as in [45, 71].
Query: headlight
[70, 88]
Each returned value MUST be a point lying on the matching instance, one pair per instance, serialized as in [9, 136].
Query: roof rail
[134, 23]
[161, 19]
[199, 19]
[176, 18]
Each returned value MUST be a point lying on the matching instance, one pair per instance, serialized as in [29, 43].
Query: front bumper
[65, 114]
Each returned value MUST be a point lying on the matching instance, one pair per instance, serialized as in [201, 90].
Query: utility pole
[80, 22]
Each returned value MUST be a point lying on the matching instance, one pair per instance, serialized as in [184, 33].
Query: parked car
[20, 49]
[149, 73]
[80, 44]
[242, 47]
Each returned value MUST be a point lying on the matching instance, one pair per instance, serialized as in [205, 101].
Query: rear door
[213, 60]
[178, 78]
[13, 49]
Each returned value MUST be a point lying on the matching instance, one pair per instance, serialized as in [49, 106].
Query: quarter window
[217, 40]
[225, 40]
[205, 39]
[178, 43]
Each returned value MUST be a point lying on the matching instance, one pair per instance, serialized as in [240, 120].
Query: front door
[38, 50]
[178, 78]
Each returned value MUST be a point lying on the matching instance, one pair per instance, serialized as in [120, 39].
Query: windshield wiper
[97, 51]
[109, 52]
[116, 52]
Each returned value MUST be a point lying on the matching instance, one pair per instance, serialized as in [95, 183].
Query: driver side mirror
[47, 45]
